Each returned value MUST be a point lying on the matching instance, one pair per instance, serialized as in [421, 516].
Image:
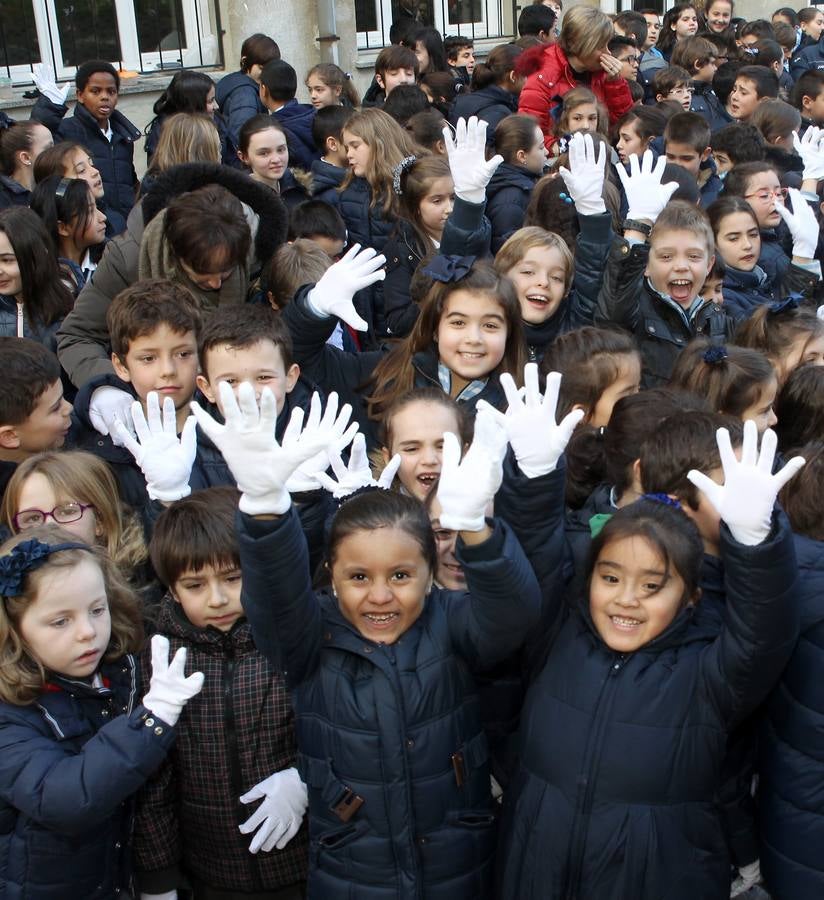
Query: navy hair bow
[662, 498]
[715, 354]
[788, 303]
[23, 558]
[448, 268]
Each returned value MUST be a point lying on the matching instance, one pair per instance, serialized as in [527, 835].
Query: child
[460, 56]
[278, 86]
[495, 89]
[735, 145]
[753, 84]
[625, 50]
[76, 226]
[644, 658]
[717, 15]
[440, 90]
[406, 100]
[582, 112]
[653, 289]
[413, 429]
[687, 144]
[734, 380]
[713, 289]
[521, 144]
[76, 743]
[673, 83]
[636, 129]
[78, 492]
[185, 138]
[190, 821]
[798, 405]
[779, 122]
[383, 617]
[20, 146]
[680, 22]
[98, 125]
[394, 65]
[263, 148]
[320, 223]
[426, 129]
[428, 47]
[238, 93]
[808, 98]
[33, 414]
[329, 171]
[33, 297]
[329, 85]
[790, 335]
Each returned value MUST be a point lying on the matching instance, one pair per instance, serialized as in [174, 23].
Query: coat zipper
[592, 757]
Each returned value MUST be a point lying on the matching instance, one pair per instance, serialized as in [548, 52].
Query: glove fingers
[141, 426]
[513, 398]
[358, 459]
[338, 466]
[248, 405]
[268, 412]
[255, 793]
[160, 655]
[706, 485]
[294, 426]
[789, 471]
[153, 412]
[177, 666]
[725, 452]
[194, 684]
[188, 437]
[389, 473]
[292, 829]
[231, 410]
[451, 456]
[533, 391]
[749, 446]
[769, 444]
[211, 429]
[551, 391]
[125, 437]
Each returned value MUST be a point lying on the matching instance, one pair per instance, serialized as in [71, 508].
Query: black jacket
[297, 119]
[706, 103]
[12, 193]
[507, 197]
[326, 180]
[809, 57]
[238, 96]
[491, 104]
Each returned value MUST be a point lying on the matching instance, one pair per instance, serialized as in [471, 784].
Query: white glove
[165, 460]
[166, 895]
[43, 76]
[107, 406]
[304, 478]
[748, 876]
[811, 150]
[260, 465]
[358, 473]
[584, 179]
[530, 421]
[746, 499]
[332, 295]
[645, 194]
[169, 688]
[467, 486]
[802, 223]
[471, 170]
[285, 799]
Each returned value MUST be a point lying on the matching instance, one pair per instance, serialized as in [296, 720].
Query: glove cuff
[536, 470]
[471, 195]
[274, 503]
[168, 495]
[467, 522]
[312, 307]
[164, 710]
[593, 207]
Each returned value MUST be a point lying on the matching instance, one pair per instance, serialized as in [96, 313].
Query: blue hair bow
[662, 498]
[715, 354]
[448, 268]
[793, 301]
[25, 557]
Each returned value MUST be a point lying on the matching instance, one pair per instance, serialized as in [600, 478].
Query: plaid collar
[468, 393]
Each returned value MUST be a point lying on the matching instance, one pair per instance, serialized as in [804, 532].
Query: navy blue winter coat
[621, 755]
[69, 764]
[706, 103]
[114, 160]
[491, 104]
[326, 179]
[297, 119]
[805, 58]
[507, 197]
[238, 96]
[390, 742]
[745, 291]
[12, 193]
[791, 791]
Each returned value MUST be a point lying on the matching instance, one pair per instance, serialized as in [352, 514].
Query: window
[135, 35]
[473, 18]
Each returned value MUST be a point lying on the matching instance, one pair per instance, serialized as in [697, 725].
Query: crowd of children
[420, 495]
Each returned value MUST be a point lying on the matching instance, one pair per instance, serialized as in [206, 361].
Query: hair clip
[448, 268]
[664, 499]
[399, 169]
[347, 76]
[565, 197]
[786, 305]
[61, 189]
[715, 354]
[25, 557]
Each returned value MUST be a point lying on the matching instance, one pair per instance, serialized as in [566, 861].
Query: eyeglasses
[767, 194]
[632, 60]
[62, 514]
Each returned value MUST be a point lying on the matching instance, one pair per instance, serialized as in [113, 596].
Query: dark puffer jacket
[12, 193]
[238, 96]
[705, 102]
[69, 764]
[491, 104]
[44, 334]
[507, 197]
[297, 119]
[113, 159]
[326, 180]
[624, 806]
[233, 735]
[807, 57]
[390, 737]
[791, 792]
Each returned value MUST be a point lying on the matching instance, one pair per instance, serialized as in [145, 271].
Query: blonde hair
[523, 240]
[294, 264]
[389, 144]
[185, 138]
[83, 477]
[581, 96]
[22, 677]
[585, 29]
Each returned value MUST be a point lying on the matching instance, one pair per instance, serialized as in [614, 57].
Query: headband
[26, 557]
[399, 169]
[61, 189]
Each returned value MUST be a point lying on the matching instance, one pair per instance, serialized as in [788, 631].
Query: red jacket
[553, 77]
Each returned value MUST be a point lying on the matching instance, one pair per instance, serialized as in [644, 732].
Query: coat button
[117, 845]
[104, 712]
[410, 743]
[158, 730]
[149, 722]
[367, 648]
[651, 329]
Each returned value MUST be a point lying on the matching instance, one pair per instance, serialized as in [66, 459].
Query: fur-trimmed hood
[271, 217]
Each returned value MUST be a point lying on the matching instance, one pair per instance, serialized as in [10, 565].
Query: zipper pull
[20, 321]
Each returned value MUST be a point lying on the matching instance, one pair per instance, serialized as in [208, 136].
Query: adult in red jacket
[580, 58]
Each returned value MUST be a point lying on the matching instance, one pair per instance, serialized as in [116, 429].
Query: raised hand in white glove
[43, 76]
[471, 170]
[530, 426]
[746, 499]
[332, 295]
[166, 895]
[802, 223]
[304, 478]
[811, 150]
[467, 486]
[262, 467]
[358, 473]
[645, 194]
[165, 460]
[169, 689]
[584, 179]
[279, 816]
[107, 406]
